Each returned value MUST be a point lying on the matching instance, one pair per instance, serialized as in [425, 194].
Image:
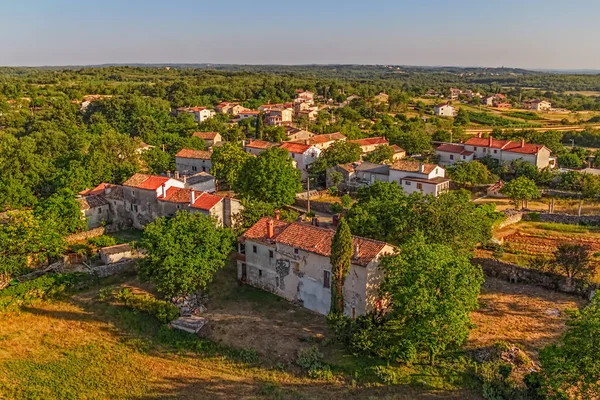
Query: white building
[504, 151]
[245, 114]
[257, 146]
[449, 153]
[444, 110]
[200, 113]
[291, 260]
[540, 105]
[413, 177]
[302, 154]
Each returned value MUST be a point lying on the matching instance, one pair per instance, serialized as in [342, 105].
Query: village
[308, 241]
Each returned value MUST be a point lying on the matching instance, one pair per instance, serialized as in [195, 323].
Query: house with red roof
[369, 144]
[246, 113]
[302, 155]
[322, 141]
[504, 151]
[210, 138]
[257, 146]
[227, 107]
[292, 260]
[414, 176]
[190, 162]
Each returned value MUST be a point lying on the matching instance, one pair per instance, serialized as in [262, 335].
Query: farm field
[563, 206]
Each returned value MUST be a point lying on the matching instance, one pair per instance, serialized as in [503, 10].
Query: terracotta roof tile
[313, 239]
[505, 145]
[206, 135]
[259, 144]
[451, 148]
[143, 181]
[95, 191]
[295, 147]
[196, 154]
[412, 166]
[397, 149]
[91, 202]
[371, 141]
[206, 201]
[176, 195]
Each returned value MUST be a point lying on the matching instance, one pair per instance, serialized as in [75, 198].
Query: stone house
[113, 254]
[322, 142]
[347, 171]
[245, 114]
[369, 173]
[292, 260]
[95, 209]
[257, 146]
[399, 152]
[210, 138]
[190, 162]
[413, 176]
[294, 134]
[226, 107]
[103, 205]
[202, 182]
[539, 105]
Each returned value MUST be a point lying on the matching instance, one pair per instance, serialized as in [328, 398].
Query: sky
[550, 34]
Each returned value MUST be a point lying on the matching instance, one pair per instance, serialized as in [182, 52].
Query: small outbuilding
[113, 254]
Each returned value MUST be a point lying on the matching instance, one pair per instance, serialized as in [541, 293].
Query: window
[270, 253]
[242, 248]
[463, 157]
[474, 148]
[260, 273]
[293, 155]
[420, 186]
[452, 156]
[353, 312]
[407, 183]
[133, 193]
[276, 281]
[295, 251]
[326, 279]
[135, 208]
[254, 249]
[296, 266]
[203, 169]
[495, 151]
[194, 168]
[100, 210]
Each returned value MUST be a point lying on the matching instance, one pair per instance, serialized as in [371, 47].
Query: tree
[471, 173]
[381, 154]
[340, 152]
[570, 160]
[183, 253]
[573, 260]
[270, 177]
[462, 117]
[571, 368]
[228, 161]
[432, 290]
[521, 189]
[341, 258]
[61, 208]
[253, 210]
[260, 125]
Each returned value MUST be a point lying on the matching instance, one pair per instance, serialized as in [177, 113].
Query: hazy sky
[529, 34]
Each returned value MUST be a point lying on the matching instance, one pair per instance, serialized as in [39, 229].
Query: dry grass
[518, 313]
[561, 206]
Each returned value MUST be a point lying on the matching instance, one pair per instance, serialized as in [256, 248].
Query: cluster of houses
[143, 198]
[497, 100]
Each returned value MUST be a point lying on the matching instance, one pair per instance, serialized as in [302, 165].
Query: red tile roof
[505, 145]
[259, 144]
[313, 239]
[295, 147]
[397, 149]
[177, 195]
[195, 154]
[206, 201]
[451, 148]
[188, 109]
[249, 112]
[95, 191]
[371, 141]
[206, 135]
[326, 138]
[143, 181]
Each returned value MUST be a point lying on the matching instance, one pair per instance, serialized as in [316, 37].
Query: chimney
[192, 197]
[107, 189]
[315, 221]
[490, 142]
[460, 141]
[270, 229]
[479, 135]
[168, 174]
[421, 168]
[184, 179]
[164, 190]
[356, 250]
[277, 214]
[176, 174]
[522, 142]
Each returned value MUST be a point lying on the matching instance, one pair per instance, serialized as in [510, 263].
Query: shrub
[248, 355]
[164, 311]
[102, 241]
[535, 217]
[336, 208]
[311, 360]
[333, 191]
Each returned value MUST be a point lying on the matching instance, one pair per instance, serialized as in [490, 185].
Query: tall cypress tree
[341, 257]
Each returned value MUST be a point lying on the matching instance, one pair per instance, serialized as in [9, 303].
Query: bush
[162, 310]
[336, 208]
[534, 217]
[102, 241]
[311, 360]
[333, 191]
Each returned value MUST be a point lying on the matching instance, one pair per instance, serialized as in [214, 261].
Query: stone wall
[564, 218]
[92, 233]
[320, 206]
[514, 273]
[512, 217]
[103, 271]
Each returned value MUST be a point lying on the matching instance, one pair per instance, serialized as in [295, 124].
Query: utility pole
[307, 193]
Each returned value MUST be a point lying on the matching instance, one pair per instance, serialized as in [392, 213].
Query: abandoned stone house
[143, 198]
[291, 260]
[190, 162]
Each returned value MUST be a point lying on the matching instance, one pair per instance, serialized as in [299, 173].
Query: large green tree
[228, 161]
[432, 290]
[270, 177]
[183, 253]
[471, 173]
[340, 152]
[521, 189]
[570, 369]
[381, 154]
[340, 260]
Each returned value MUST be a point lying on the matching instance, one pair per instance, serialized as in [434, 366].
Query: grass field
[81, 348]
[563, 206]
